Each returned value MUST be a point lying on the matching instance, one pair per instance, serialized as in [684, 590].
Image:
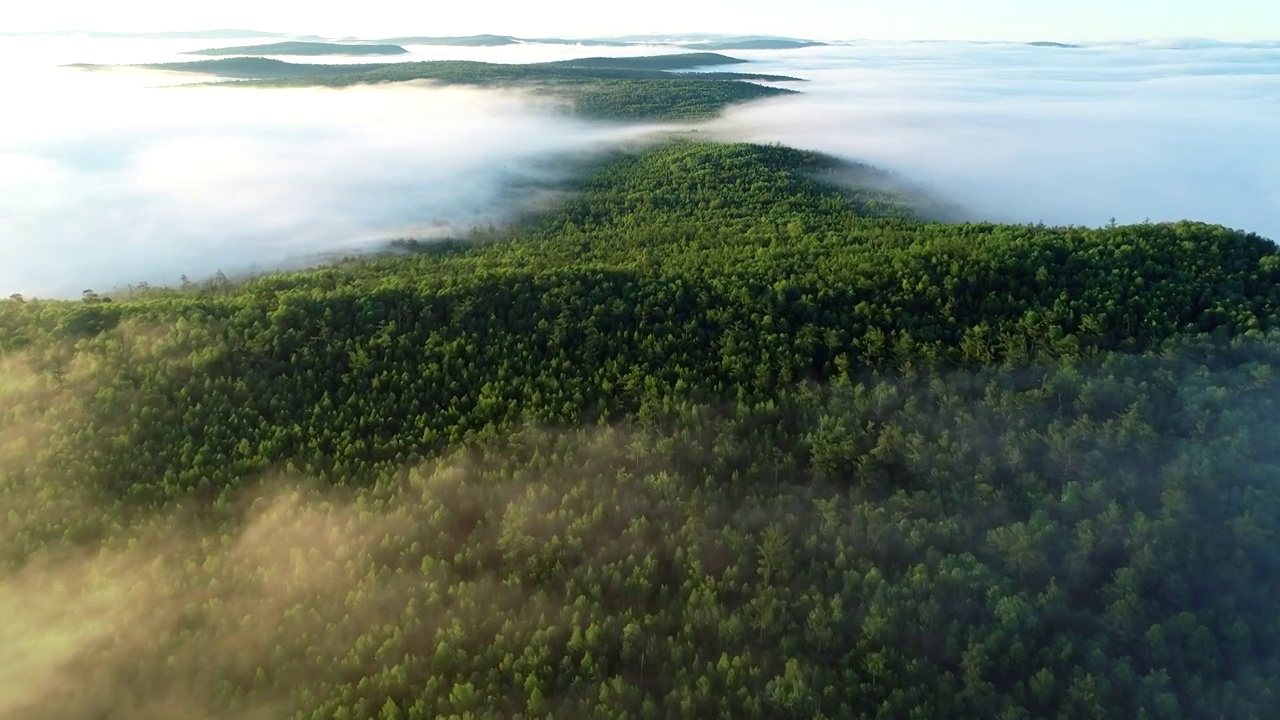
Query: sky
[1061, 20]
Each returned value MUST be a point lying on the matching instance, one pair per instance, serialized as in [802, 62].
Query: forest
[678, 61]
[725, 434]
[620, 89]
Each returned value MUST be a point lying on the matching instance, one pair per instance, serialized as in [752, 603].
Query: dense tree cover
[677, 61]
[640, 88]
[687, 98]
[722, 436]
[449, 71]
[305, 48]
[606, 93]
[256, 68]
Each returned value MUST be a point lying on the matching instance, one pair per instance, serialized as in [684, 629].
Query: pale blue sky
[827, 19]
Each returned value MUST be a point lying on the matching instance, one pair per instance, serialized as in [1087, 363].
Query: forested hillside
[730, 433]
[629, 89]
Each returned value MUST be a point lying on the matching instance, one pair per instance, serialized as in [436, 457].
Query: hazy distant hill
[638, 88]
[1046, 43]
[462, 41]
[707, 39]
[699, 41]
[255, 68]
[757, 44]
[590, 42]
[304, 48]
[628, 68]
[682, 61]
[500, 40]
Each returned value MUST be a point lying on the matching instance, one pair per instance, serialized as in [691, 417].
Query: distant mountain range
[696, 41]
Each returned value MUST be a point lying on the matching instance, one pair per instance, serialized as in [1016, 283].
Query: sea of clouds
[1162, 131]
[115, 177]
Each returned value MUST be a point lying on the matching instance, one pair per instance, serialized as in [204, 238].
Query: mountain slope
[719, 436]
[618, 89]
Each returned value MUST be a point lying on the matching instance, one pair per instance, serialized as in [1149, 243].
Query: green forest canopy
[715, 438]
[677, 61]
[635, 88]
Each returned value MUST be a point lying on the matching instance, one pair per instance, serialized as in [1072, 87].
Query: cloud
[106, 179]
[117, 181]
[1063, 136]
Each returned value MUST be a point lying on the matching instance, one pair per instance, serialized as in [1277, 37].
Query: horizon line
[625, 36]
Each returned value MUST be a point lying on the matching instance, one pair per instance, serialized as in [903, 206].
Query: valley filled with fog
[108, 177]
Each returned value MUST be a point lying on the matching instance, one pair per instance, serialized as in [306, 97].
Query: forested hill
[623, 89]
[715, 438]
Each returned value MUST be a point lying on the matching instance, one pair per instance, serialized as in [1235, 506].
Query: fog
[1159, 131]
[109, 177]
[114, 611]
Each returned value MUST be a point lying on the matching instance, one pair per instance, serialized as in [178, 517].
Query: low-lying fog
[107, 179]
[1164, 131]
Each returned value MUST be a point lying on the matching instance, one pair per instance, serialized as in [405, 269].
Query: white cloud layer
[1063, 136]
[106, 179]
[113, 181]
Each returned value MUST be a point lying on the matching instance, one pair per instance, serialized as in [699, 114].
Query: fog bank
[1159, 131]
[109, 178]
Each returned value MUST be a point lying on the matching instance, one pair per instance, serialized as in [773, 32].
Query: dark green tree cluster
[676, 61]
[725, 435]
[636, 88]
